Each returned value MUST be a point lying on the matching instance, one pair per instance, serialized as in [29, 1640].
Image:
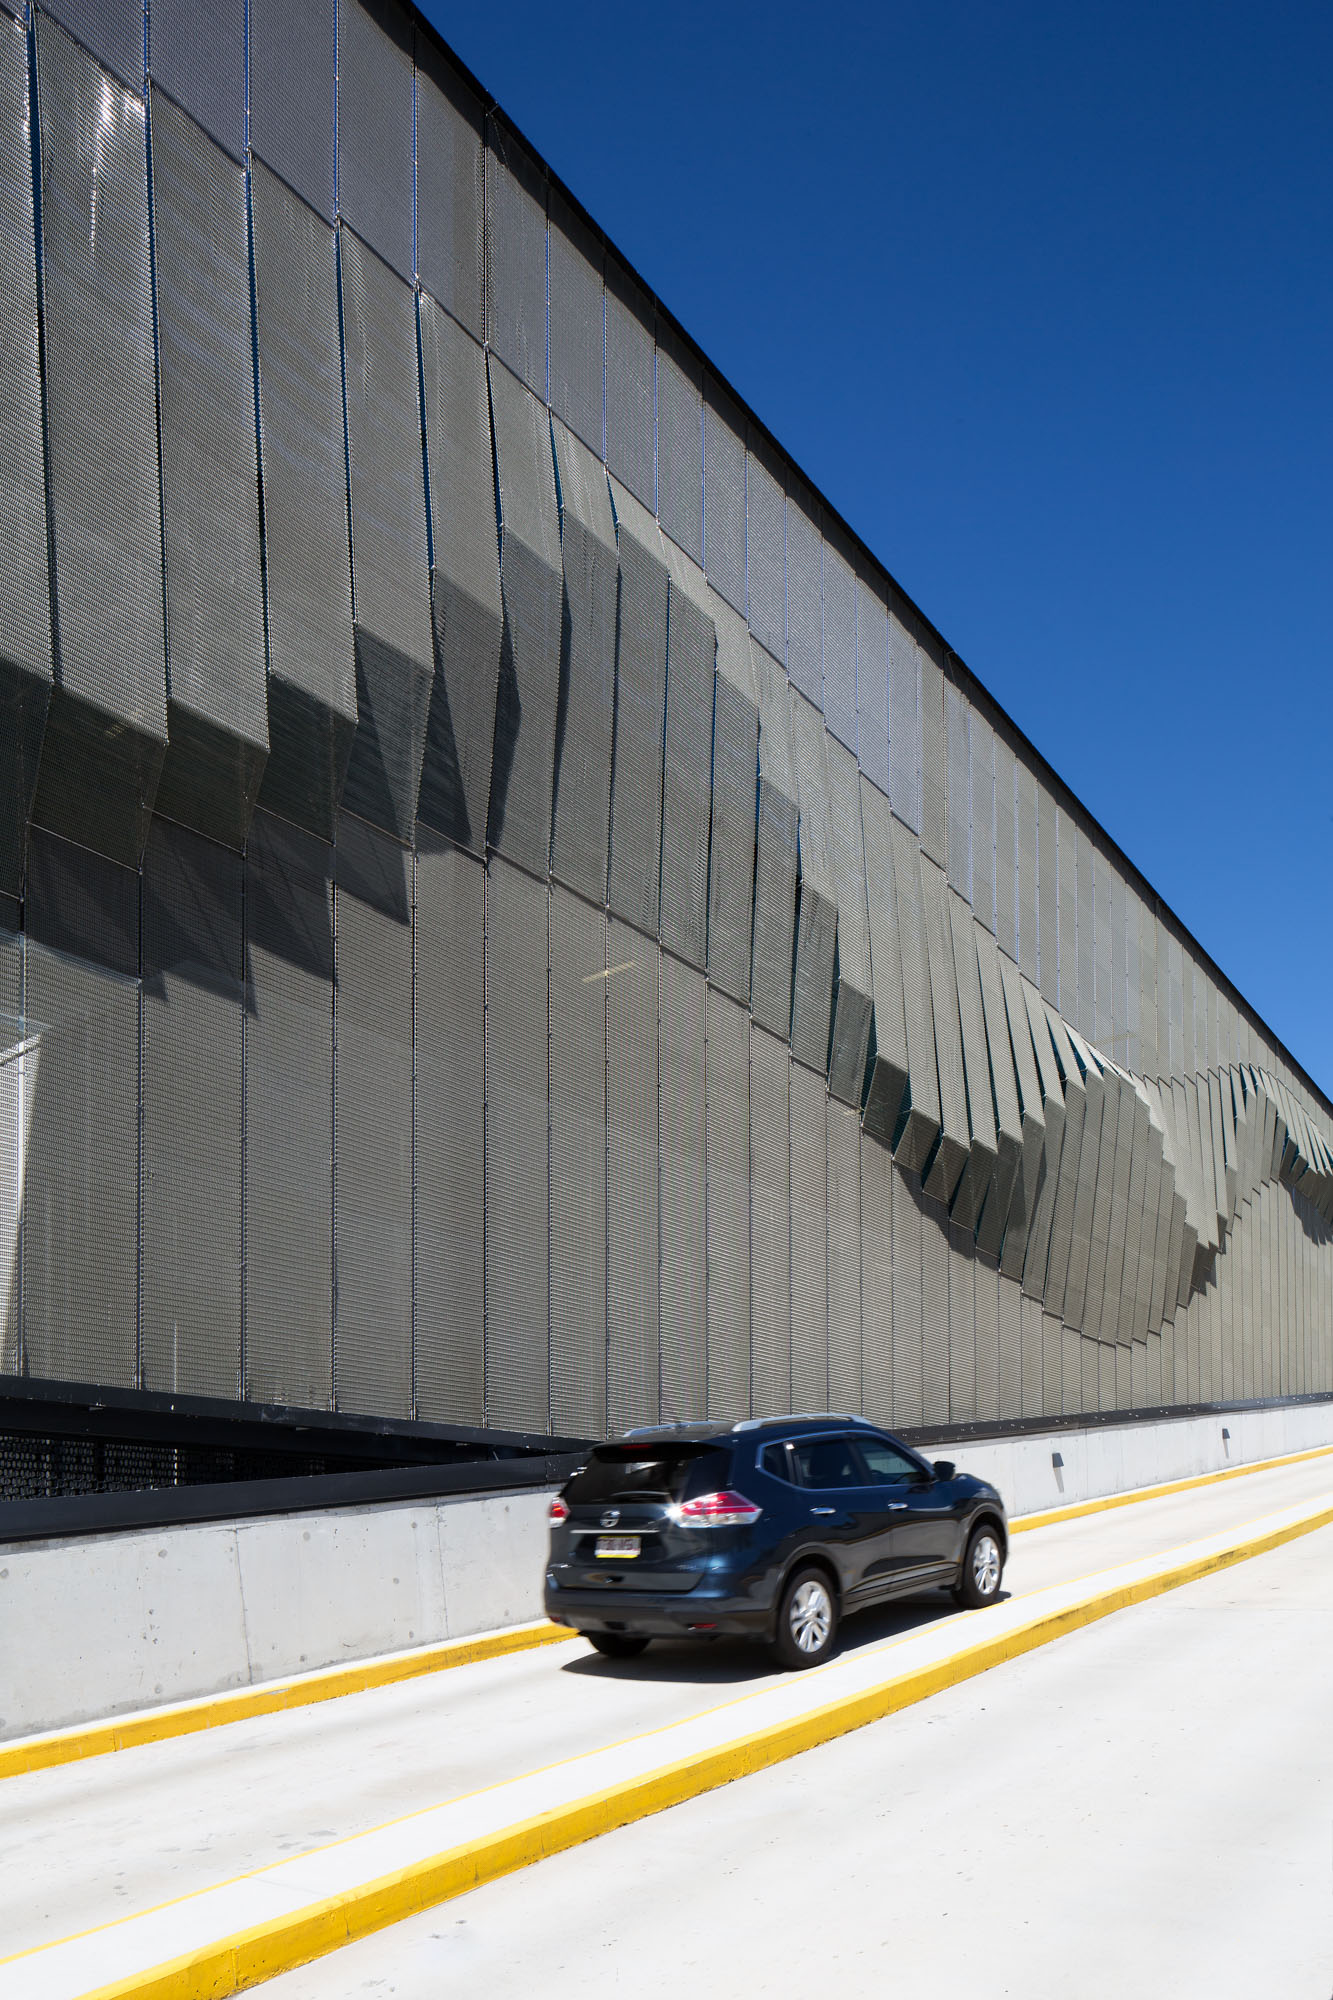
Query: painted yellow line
[70, 1746]
[160, 1725]
[230, 1965]
[1078, 1508]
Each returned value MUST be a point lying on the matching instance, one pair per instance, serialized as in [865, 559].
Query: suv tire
[807, 1627]
[616, 1645]
[983, 1565]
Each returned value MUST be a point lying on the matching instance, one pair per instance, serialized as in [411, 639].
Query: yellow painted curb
[70, 1746]
[1077, 1508]
[230, 1965]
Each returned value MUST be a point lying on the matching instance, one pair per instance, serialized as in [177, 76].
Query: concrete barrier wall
[103, 1625]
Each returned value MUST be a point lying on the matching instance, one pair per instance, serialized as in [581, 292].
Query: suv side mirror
[945, 1468]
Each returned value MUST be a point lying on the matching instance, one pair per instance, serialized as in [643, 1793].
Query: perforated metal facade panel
[904, 723]
[292, 89]
[112, 29]
[728, 1203]
[770, 1226]
[853, 1002]
[586, 715]
[731, 862]
[921, 1129]
[683, 1307]
[198, 54]
[515, 255]
[817, 915]
[641, 662]
[578, 991]
[805, 594]
[766, 548]
[680, 447]
[809, 1241]
[686, 783]
[934, 762]
[631, 385]
[959, 782]
[876, 1282]
[839, 645]
[724, 495]
[577, 329]
[844, 1257]
[450, 248]
[890, 1071]
[633, 1237]
[945, 1170]
[376, 135]
[872, 684]
[1006, 851]
[775, 861]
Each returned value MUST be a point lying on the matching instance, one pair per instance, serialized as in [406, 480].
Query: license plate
[620, 1547]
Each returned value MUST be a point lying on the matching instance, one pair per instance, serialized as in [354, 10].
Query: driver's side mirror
[944, 1468]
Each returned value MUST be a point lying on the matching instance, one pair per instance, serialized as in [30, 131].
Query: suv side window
[827, 1463]
[885, 1466]
[775, 1460]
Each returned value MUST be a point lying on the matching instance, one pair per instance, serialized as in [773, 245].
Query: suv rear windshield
[630, 1471]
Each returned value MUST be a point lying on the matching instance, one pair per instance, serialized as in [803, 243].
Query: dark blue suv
[769, 1528]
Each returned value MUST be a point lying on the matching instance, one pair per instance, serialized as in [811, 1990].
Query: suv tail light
[558, 1511]
[718, 1510]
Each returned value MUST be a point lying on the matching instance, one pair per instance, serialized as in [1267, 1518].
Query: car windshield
[632, 1471]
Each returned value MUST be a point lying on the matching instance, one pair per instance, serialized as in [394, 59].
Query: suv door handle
[823, 1510]
[895, 1506]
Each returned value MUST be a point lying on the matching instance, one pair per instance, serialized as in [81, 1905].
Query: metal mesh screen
[376, 177]
[372, 1123]
[1086, 1012]
[17, 1072]
[217, 702]
[107, 726]
[962, 1327]
[904, 724]
[292, 88]
[634, 880]
[724, 495]
[839, 645]
[735, 765]
[450, 249]
[817, 915]
[1026, 835]
[516, 256]
[631, 392]
[288, 1117]
[876, 1282]
[198, 54]
[872, 684]
[683, 1304]
[1010, 1349]
[448, 1126]
[943, 1174]
[112, 29]
[686, 772]
[465, 582]
[312, 709]
[588, 670]
[908, 1321]
[978, 1176]
[518, 1268]
[981, 742]
[1047, 899]
[959, 776]
[766, 553]
[25, 649]
[934, 763]
[1004, 1092]
[632, 1227]
[728, 1197]
[577, 324]
[770, 1225]
[680, 460]
[805, 596]
[853, 1006]
[891, 1072]
[81, 1178]
[934, 1314]
[986, 1282]
[809, 1241]
[1006, 850]
[193, 999]
[390, 573]
[775, 861]
[844, 1257]
[530, 576]
[578, 991]
[922, 1126]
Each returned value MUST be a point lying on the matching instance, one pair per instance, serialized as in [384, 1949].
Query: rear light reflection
[558, 1510]
[718, 1510]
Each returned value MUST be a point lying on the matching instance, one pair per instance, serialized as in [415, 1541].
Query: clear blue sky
[1041, 297]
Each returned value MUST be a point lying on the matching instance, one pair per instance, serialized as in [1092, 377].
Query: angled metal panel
[775, 859]
[390, 564]
[376, 135]
[727, 1119]
[731, 864]
[904, 723]
[958, 779]
[921, 1126]
[518, 1261]
[312, 711]
[1117, 1211]
[681, 1136]
[770, 1225]
[839, 645]
[805, 594]
[633, 1233]
[1108, 898]
[872, 684]
[198, 55]
[1067, 845]
[766, 552]
[979, 1175]
[905, 1198]
[1086, 920]
[372, 1123]
[216, 700]
[1079, 1131]
[450, 146]
[80, 1264]
[577, 324]
[631, 388]
[516, 255]
[112, 29]
[951, 1155]
[845, 1379]
[724, 495]
[190, 1218]
[981, 747]
[449, 1121]
[686, 770]
[1006, 848]
[292, 89]
[680, 446]
[1140, 1228]
[1086, 1270]
[1036, 1254]
[1040, 1135]
[891, 1069]
[1028, 897]
[25, 650]
[635, 873]
[1008, 1115]
[532, 587]
[106, 729]
[582, 808]
[817, 915]
[1048, 899]
[853, 1008]
[877, 1176]
[288, 1116]
[962, 1326]
[934, 763]
[809, 1241]
[579, 984]
[466, 604]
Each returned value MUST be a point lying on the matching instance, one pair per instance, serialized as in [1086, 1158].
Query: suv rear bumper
[658, 1615]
